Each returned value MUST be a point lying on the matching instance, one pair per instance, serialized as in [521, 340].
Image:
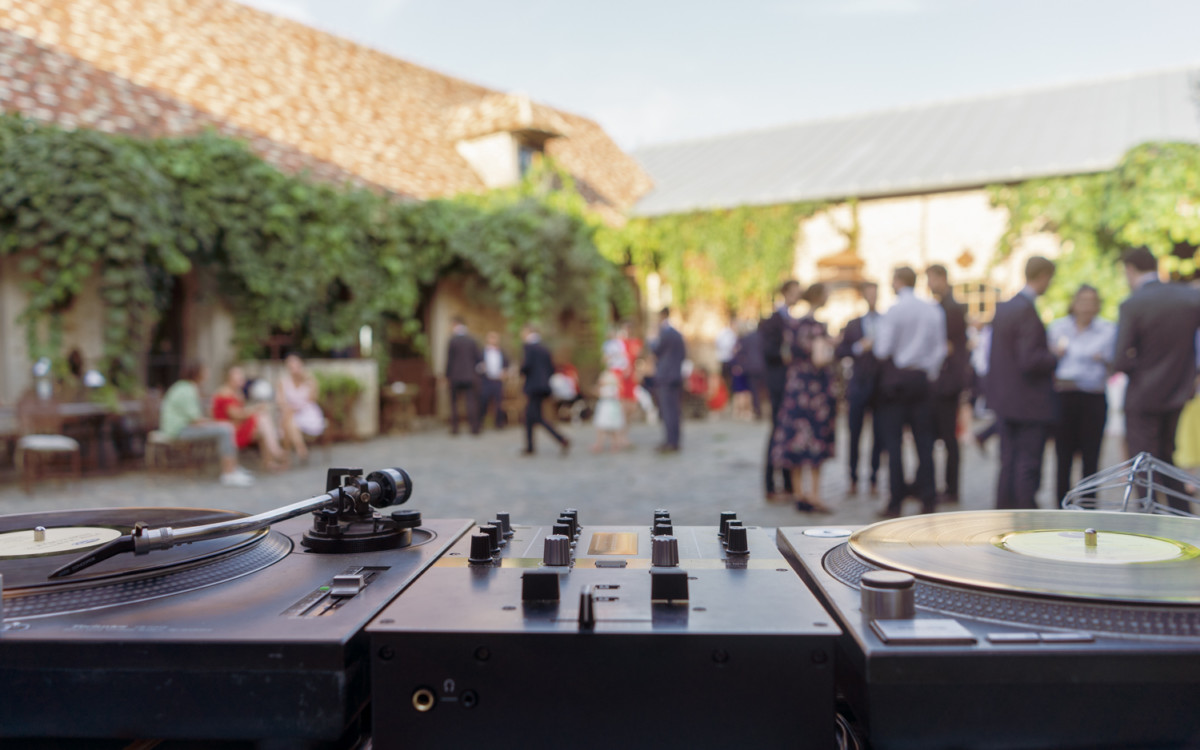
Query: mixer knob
[573, 514]
[481, 550]
[572, 523]
[494, 534]
[506, 524]
[729, 527]
[726, 517]
[736, 541]
[587, 608]
[556, 550]
[664, 552]
[500, 526]
[663, 528]
[562, 528]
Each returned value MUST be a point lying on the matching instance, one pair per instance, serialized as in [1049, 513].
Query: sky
[658, 71]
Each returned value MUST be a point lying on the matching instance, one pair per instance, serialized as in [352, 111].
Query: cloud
[297, 10]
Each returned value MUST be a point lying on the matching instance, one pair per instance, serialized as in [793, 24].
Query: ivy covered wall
[291, 255]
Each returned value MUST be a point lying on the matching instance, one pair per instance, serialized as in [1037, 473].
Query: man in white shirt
[910, 345]
[491, 391]
[724, 347]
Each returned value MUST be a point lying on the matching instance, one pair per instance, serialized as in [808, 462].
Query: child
[609, 418]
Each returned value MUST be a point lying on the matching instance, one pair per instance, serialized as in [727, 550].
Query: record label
[58, 540]
[1109, 547]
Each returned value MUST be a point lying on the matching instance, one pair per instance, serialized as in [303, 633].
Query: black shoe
[804, 506]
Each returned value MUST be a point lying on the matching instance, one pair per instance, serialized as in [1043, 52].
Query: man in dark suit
[462, 359]
[537, 367]
[492, 370]
[858, 338]
[669, 353]
[1021, 388]
[952, 380]
[1156, 335]
[770, 330]
[748, 360]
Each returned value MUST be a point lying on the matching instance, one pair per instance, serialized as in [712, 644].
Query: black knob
[500, 526]
[572, 513]
[729, 527]
[726, 517]
[736, 542]
[506, 523]
[481, 550]
[556, 550]
[571, 522]
[663, 528]
[406, 519]
[662, 512]
[494, 534]
[563, 529]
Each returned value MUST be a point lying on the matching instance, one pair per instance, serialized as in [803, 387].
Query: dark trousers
[670, 405]
[467, 392]
[1080, 431]
[1154, 433]
[491, 395]
[859, 406]
[1021, 447]
[776, 379]
[534, 416]
[757, 382]
[917, 415]
[945, 426]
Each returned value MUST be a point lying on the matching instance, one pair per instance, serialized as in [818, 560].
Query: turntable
[605, 636]
[193, 624]
[1004, 629]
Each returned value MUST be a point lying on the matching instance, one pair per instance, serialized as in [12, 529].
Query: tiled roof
[1062, 130]
[50, 86]
[379, 117]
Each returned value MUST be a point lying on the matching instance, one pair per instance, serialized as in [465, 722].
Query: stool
[35, 454]
[164, 452]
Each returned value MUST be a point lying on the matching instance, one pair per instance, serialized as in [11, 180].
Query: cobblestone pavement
[720, 467]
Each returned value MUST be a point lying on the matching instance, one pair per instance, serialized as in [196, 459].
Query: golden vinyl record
[1129, 557]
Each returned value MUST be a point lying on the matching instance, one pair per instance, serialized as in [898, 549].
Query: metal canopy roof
[1061, 130]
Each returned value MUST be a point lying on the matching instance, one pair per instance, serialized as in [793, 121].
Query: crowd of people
[243, 414]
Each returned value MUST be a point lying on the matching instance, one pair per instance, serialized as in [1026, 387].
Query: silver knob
[39, 533]
[556, 550]
[664, 552]
[888, 595]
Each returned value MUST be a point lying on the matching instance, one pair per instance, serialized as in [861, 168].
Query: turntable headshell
[345, 519]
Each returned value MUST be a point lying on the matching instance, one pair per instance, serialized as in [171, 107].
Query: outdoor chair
[42, 450]
[164, 453]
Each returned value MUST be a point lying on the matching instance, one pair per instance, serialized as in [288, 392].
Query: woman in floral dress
[804, 435]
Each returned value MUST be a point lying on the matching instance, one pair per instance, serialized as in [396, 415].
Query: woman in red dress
[250, 424]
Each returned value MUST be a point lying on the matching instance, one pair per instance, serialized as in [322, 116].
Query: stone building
[302, 99]
[910, 184]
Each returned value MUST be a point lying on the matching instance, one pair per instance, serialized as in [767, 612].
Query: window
[980, 299]
[526, 157]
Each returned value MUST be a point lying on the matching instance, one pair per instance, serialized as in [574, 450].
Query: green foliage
[1151, 198]
[290, 255]
[729, 257]
[337, 387]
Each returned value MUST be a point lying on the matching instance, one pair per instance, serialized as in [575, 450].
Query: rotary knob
[500, 526]
[481, 550]
[663, 528]
[506, 524]
[562, 528]
[726, 517]
[494, 535]
[664, 552]
[556, 550]
[573, 514]
[571, 522]
[736, 542]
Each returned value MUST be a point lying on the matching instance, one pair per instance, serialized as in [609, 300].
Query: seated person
[250, 424]
[182, 418]
[299, 413]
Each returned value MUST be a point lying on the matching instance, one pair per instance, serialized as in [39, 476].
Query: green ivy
[291, 255]
[1151, 198]
[728, 257]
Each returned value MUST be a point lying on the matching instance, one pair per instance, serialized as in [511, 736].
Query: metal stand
[1133, 486]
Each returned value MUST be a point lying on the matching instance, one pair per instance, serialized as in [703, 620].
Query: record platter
[1006, 629]
[211, 625]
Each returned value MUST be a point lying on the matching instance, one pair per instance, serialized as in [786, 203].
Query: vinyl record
[1130, 557]
[27, 558]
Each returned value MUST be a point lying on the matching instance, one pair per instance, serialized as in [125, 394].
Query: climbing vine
[734, 258]
[290, 255]
[1151, 198]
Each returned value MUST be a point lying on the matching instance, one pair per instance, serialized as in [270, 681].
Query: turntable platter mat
[1136, 557]
[27, 563]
